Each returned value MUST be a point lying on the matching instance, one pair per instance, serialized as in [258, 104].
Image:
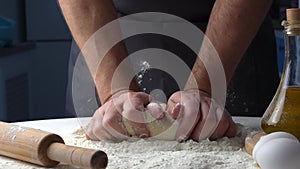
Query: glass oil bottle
[283, 113]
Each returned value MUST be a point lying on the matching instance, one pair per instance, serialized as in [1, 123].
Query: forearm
[84, 18]
[231, 28]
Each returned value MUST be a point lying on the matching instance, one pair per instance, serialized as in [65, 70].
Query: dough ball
[160, 124]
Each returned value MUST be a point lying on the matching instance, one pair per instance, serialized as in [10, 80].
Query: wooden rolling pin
[46, 149]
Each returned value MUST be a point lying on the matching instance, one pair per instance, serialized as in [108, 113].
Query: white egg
[279, 153]
[263, 140]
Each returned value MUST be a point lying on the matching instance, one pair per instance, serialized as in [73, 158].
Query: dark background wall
[33, 72]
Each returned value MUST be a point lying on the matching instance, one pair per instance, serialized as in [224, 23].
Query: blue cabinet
[33, 82]
[49, 79]
[15, 75]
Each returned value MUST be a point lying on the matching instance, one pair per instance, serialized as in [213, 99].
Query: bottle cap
[293, 15]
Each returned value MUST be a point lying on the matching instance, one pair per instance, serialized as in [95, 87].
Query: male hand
[107, 122]
[196, 120]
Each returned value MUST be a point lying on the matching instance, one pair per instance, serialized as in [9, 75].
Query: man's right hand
[107, 122]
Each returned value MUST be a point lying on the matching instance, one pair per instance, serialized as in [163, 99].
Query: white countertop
[58, 126]
[68, 125]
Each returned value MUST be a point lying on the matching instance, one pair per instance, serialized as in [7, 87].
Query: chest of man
[192, 10]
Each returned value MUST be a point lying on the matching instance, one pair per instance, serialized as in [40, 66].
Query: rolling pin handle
[81, 157]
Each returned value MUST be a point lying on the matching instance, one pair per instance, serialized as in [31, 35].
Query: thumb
[174, 107]
[175, 110]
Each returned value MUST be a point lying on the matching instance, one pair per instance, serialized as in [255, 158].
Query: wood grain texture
[45, 149]
[85, 158]
[27, 144]
[293, 15]
[251, 140]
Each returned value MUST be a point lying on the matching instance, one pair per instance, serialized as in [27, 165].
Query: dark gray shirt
[192, 10]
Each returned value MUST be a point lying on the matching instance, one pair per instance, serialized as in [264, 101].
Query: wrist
[116, 94]
[198, 79]
[107, 92]
[199, 86]
[197, 90]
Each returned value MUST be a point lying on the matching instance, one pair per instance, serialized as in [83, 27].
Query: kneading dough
[161, 129]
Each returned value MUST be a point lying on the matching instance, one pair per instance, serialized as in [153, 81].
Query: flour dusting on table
[226, 153]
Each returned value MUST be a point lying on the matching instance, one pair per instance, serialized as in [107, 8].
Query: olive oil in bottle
[286, 116]
[283, 113]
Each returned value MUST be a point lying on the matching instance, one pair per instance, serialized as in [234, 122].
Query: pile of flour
[226, 153]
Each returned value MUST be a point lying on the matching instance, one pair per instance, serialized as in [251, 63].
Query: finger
[232, 129]
[95, 129]
[177, 110]
[208, 122]
[188, 120]
[101, 134]
[223, 125]
[134, 121]
[112, 123]
[170, 107]
[140, 99]
[117, 103]
[88, 133]
[173, 100]
[155, 110]
[175, 97]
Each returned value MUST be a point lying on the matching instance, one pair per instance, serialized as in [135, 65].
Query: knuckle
[139, 94]
[136, 94]
[130, 112]
[97, 113]
[131, 94]
[175, 96]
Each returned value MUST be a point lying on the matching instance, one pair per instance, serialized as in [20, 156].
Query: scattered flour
[226, 153]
